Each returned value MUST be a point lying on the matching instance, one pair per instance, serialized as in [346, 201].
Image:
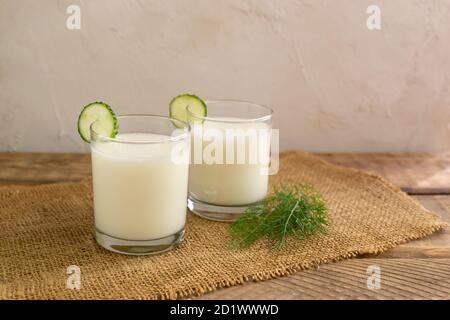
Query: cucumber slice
[101, 113]
[178, 107]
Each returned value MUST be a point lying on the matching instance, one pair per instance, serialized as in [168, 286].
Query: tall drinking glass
[140, 181]
[230, 152]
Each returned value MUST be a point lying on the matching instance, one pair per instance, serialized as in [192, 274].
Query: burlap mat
[45, 229]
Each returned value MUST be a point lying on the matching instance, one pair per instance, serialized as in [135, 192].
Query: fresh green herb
[291, 210]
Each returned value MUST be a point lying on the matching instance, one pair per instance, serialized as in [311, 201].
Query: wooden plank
[399, 279]
[418, 269]
[418, 173]
[414, 173]
[32, 168]
[435, 246]
[35, 168]
[415, 270]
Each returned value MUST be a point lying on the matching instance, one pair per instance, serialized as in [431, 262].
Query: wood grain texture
[37, 168]
[415, 270]
[414, 173]
[435, 246]
[418, 173]
[400, 279]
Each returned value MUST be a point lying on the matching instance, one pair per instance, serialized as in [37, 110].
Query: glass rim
[266, 117]
[186, 129]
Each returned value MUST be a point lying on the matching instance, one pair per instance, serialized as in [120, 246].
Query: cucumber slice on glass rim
[178, 107]
[104, 118]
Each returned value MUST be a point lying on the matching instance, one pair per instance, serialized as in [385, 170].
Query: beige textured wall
[334, 84]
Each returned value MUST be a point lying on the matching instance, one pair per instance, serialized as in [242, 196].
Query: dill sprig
[291, 210]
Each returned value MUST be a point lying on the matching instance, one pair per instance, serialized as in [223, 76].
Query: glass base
[139, 247]
[216, 212]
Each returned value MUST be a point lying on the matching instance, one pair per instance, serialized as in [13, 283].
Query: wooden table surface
[416, 270]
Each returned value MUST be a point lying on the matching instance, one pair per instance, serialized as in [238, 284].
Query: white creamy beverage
[139, 192]
[230, 184]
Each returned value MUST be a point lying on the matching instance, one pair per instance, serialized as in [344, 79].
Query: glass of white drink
[230, 155]
[140, 181]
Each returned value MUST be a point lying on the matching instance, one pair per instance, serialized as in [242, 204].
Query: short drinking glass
[230, 153]
[140, 181]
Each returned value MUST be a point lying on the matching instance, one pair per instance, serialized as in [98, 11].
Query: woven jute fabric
[44, 229]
